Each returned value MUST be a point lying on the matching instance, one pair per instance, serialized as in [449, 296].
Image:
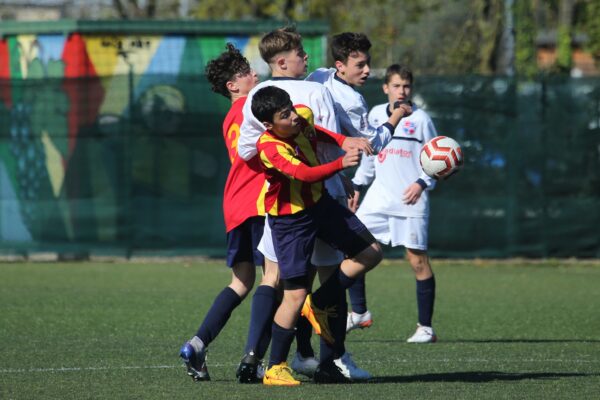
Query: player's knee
[242, 279]
[371, 256]
[419, 261]
[270, 274]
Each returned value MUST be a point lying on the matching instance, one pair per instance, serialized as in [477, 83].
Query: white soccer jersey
[397, 166]
[352, 110]
[311, 94]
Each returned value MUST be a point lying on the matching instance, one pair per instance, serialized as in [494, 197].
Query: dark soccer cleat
[329, 373]
[194, 362]
[250, 369]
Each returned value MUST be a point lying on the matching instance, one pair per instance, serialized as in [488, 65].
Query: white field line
[443, 360]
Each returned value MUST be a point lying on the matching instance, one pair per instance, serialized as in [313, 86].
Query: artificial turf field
[507, 330]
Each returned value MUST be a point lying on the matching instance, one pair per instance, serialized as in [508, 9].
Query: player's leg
[360, 317]
[304, 361]
[341, 228]
[265, 298]
[415, 241]
[283, 331]
[293, 240]
[240, 260]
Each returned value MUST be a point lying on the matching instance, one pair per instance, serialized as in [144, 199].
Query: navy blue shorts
[243, 240]
[294, 235]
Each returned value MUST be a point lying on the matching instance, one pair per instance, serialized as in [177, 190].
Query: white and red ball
[441, 157]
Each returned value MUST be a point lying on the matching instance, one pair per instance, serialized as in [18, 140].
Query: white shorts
[410, 232]
[323, 254]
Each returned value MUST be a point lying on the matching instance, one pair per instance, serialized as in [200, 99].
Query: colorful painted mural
[113, 138]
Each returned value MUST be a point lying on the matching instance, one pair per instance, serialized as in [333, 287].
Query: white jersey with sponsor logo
[310, 94]
[352, 109]
[397, 166]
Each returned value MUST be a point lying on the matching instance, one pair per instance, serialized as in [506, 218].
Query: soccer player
[350, 52]
[396, 206]
[231, 76]
[282, 50]
[300, 210]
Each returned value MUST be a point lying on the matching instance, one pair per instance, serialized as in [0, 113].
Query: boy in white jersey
[282, 50]
[350, 51]
[396, 206]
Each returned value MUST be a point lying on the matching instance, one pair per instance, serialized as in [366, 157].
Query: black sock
[329, 291]
[281, 341]
[425, 300]
[303, 335]
[358, 295]
[218, 315]
[261, 316]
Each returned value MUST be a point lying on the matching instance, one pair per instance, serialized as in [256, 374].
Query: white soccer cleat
[358, 321]
[304, 366]
[350, 370]
[423, 334]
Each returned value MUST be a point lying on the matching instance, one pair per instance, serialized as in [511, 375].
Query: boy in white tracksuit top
[396, 206]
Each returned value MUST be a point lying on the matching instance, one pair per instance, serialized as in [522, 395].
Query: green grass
[102, 330]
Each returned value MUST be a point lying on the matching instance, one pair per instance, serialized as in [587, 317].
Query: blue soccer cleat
[195, 362]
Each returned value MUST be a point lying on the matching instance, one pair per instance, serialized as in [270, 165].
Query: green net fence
[151, 177]
[111, 143]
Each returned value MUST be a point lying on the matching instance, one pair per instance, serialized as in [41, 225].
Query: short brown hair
[400, 70]
[279, 41]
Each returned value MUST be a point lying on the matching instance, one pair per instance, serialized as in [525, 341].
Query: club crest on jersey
[409, 127]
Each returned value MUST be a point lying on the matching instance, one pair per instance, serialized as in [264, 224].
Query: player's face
[245, 81]
[356, 69]
[397, 89]
[296, 63]
[286, 123]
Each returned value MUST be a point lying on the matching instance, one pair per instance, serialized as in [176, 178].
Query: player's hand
[353, 201]
[412, 194]
[351, 158]
[403, 109]
[362, 144]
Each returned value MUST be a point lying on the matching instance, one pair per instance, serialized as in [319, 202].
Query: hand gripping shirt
[293, 170]
[245, 187]
[397, 166]
[352, 110]
[311, 94]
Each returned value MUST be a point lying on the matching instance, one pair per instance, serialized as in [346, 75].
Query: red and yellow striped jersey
[246, 186]
[293, 170]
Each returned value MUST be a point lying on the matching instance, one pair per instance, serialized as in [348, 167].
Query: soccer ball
[441, 157]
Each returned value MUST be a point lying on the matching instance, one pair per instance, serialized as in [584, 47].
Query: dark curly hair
[224, 68]
[344, 44]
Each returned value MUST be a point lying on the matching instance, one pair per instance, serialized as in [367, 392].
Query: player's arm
[344, 142]
[278, 157]
[413, 192]
[250, 131]
[363, 177]
[428, 133]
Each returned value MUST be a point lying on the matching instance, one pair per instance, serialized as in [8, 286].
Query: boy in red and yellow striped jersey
[300, 210]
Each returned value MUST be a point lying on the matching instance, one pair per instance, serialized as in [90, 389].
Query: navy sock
[281, 341]
[358, 295]
[425, 300]
[261, 316]
[218, 315]
[303, 335]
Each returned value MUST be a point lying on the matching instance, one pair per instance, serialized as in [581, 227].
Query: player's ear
[385, 88]
[340, 66]
[231, 86]
[280, 62]
[267, 125]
